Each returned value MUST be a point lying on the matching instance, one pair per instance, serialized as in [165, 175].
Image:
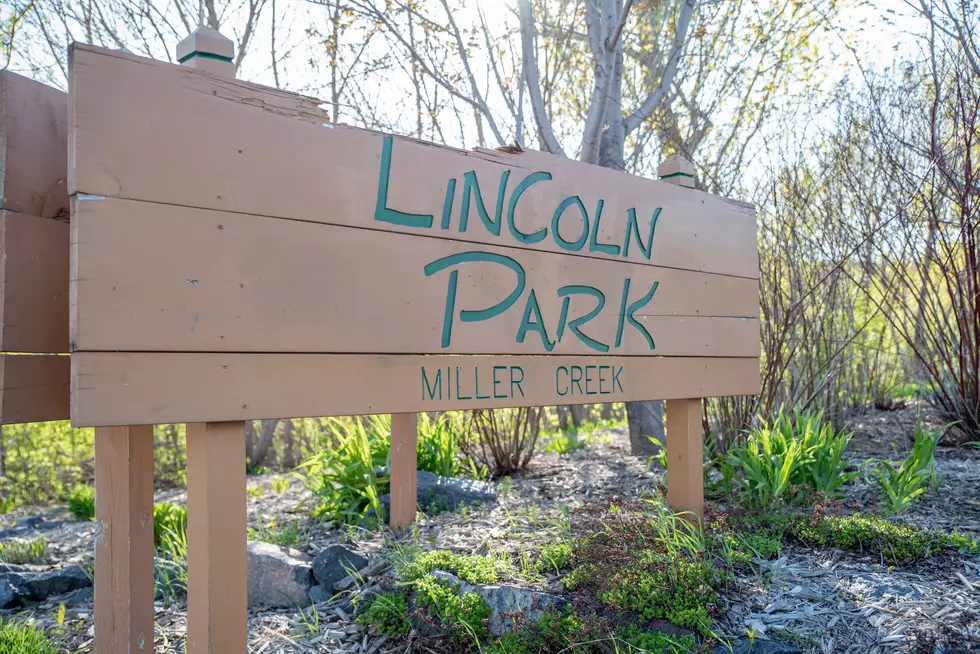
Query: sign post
[235, 256]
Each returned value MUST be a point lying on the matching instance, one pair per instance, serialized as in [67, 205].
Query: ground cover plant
[20, 551]
[17, 636]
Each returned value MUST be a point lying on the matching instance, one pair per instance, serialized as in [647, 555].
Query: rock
[80, 596]
[506, 599]
[57, 582]
[758, 646]
[437, 493]
[320, 594]
[335, 562]
[277, 576]
[19, 587]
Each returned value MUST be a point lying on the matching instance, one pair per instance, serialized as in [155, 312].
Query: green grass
[81, 502]
[389, 613]
[169, 520]
[24, 551]
[20, 637]
[272, 532]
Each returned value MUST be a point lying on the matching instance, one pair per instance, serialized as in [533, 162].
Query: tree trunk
[578, 414]
[646, 420]
[265, 441]
[289, 459]
[606, 411]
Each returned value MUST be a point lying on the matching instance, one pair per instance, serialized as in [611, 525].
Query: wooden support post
[685, 457]
[124, 545]
[404, 475]
[216, 559]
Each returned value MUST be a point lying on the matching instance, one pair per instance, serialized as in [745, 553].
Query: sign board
[236, 256]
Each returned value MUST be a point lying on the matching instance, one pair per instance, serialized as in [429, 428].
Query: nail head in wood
[208, 50]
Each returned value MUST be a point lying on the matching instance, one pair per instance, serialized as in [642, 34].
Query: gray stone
[335, 562]
[436, 493]
[57, 582]
[320, 594]
[758, 646]
[504, 600]
[277, 576]
[12, 589]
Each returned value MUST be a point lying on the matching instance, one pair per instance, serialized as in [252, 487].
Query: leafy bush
[895, 542]
[648, 560]
[656, 642]
[502, 440]
[43, 460]
[168, 520]
[472, 569]
[780, 460]
[343, 477]
[556, 632]
[81, 502]
[389, 613]
[24, 551]
[555, 556]
[21, 637]
[464, 616]
[901, 484]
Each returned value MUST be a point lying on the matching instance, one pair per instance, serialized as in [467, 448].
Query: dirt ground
[820, 600]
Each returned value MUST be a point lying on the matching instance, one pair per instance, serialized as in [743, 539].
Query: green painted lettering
[594, 245]
[532, 310]
[615, 380]
[633, 227]
[467, 315]
[496, 381]
[588, 380]
[577, 381]
[639, 304]
[459, 394]
[381, 211]
[601, 368]
[571, 246]
[557, 383]
[539, 235]
[432, 388]
[516, 382]
[576, 324]
[476, 375]
[447, 205]
[470, 184]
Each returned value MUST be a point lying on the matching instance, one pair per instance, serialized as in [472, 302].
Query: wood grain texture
[216, 560]
[128, 388]
[152, 277]
[34, 388]
[124, 547]
[33, 147]
[685, 456]
[275, 154]
[34, 256]
[404, 473]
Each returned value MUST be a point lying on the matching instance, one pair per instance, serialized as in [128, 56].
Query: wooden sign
[236, 254]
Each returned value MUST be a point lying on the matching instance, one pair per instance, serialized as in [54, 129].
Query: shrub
[21, 637]
[556, 632]
[555, 556]
[168, 520]
[472, 569]
[464, 616]
[502, 440]
[780, 460]
[81, 502]
[895, 542]
[343, 477]
[901, 484]
[389, 613]
[24, 551]
[656, 642]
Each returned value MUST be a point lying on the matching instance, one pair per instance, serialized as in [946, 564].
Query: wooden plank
[685, 456]
[124, 546]
[216, 560]
[34, 388]
[275, 154]
[130, 388]
[404, 473]
[153, 277]
[33, 147]
[34, 256]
